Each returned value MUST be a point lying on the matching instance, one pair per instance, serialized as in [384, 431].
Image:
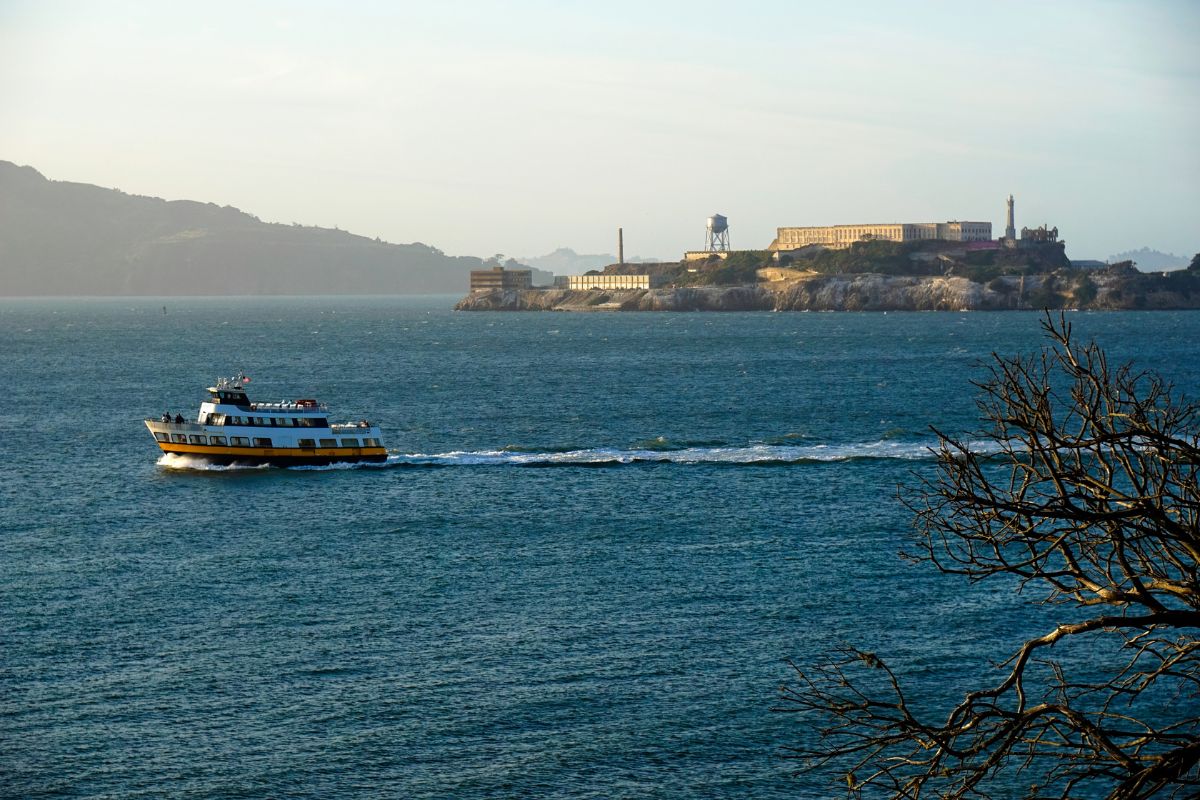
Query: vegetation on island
[930, 258]
[1086, 490]
[739, 268]
[880, 257]
[1032, 276]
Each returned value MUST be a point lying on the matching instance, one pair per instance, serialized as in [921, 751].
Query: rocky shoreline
[1107, 289]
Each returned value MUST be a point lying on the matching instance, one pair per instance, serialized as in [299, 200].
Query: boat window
[287, 422]
[179, 438]
[307, 443]
[370, 443]
[239, 441]
[216, 419]
[329, 443]
[217, 440]
[349, 442]
[321, 422]
[162, 437]
[259, 442]
[197, 439]
[304, 422]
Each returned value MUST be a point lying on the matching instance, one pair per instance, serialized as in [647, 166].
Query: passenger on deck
[166, 417]
[179, 419]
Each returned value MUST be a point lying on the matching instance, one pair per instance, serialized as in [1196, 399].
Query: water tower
[718, 234]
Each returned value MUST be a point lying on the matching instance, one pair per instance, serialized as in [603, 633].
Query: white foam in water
[176, 461]
[749, 454]
[600, 456]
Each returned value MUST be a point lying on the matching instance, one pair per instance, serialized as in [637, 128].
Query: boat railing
[176, 426]
[351, 427]
[288, 406]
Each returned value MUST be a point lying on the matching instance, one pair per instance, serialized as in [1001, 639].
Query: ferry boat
[232, 430]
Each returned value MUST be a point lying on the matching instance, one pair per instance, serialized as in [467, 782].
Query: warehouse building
[487, 280]
[839, 237]
[607, 281]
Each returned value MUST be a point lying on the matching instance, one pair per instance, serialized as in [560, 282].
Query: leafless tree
[1086, 493]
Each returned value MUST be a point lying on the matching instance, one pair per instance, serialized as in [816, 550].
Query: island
[866, 276]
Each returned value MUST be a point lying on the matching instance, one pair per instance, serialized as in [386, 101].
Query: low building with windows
[838, 237]
[487, 280]
[603, 280]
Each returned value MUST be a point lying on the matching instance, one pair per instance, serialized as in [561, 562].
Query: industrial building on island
[604, 280]
[839, 237]
[487, 280]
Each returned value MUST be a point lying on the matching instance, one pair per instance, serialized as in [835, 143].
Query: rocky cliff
[1108, 289]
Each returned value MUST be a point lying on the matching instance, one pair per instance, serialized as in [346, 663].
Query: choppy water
[580, 573]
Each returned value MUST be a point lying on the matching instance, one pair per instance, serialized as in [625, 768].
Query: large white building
[607, 281]
[841, 236]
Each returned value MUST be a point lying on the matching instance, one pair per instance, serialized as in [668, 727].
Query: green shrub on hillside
[1046, 295]
[979, 273]
[740, 267]
[1085, 291]
[881, 256]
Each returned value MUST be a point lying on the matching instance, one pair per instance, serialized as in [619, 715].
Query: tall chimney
[620, 245]
[1010, 228]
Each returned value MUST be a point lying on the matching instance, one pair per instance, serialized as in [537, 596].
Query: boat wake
[747, 455]
[186, 462]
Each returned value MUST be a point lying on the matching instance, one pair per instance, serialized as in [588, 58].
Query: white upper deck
[232, 391]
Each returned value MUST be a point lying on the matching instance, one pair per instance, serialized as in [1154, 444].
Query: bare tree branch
[1086, 491]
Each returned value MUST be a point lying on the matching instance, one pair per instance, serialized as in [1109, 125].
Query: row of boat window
[268, 422]
[245, 441]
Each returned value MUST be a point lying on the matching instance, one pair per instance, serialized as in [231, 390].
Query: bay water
[596, 544]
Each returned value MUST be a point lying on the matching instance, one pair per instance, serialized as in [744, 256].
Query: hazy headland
[63, 238]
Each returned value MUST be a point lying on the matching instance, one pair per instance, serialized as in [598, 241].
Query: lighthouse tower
[1010, 228]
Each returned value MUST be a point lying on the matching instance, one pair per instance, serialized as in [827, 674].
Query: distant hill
[62, 238]
[1148, 259]
[565, 261]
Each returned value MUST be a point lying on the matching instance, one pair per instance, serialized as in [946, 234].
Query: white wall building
[606, 281]
[841, 236]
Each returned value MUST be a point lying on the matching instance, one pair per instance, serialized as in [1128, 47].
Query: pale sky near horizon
[520, 127]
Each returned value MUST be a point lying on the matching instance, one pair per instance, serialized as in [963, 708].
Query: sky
[520, 127]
